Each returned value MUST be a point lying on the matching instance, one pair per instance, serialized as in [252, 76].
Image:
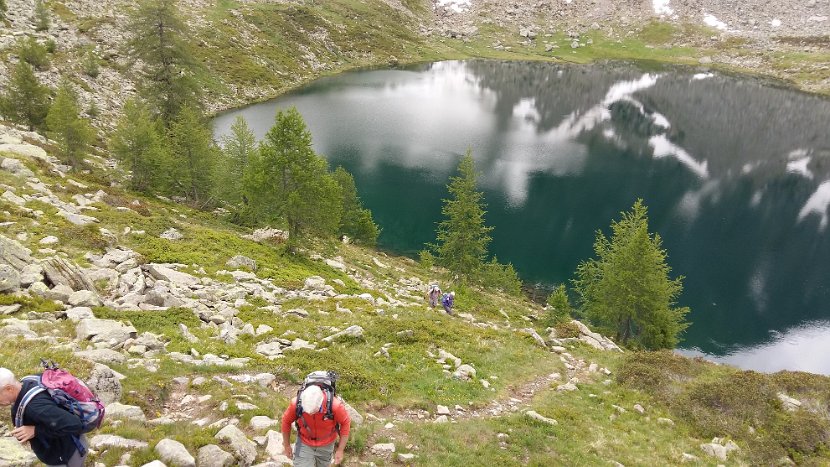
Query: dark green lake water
[735, 172]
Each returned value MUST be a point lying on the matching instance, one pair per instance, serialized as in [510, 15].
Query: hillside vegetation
[187, 340]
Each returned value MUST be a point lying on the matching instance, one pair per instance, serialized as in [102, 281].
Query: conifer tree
[289, 181]
[356, 221]
[73, 133]
[33, 53]
[138, 143]
[462, 237]
[238, 149]
[626, 288]
[25, 100]
[169, 69]
[193, 156]
[42, 19]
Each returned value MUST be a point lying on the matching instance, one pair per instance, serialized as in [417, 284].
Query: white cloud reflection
[804, 348]
[817, 204]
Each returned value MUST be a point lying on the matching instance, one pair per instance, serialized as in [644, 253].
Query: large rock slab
[14, 454]
[174, 453]
[63, 272]
[104, 330]
[25, 150]
[99, 442]
[162, 272]
[244, 449]
[13, 165]
[14, 254]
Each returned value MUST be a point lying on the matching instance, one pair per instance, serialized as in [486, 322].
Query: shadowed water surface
[735, 172]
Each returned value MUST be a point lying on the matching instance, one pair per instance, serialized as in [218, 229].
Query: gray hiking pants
[310, 456]
[76, 460]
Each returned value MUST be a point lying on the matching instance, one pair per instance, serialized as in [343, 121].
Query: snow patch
[711, 20]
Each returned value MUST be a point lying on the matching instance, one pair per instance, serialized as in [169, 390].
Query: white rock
[443, 410]
[536, 416]
[383, 448]
[788, 402]
[174, 453]
[171, 234]
[155, 463]
[84, 298]
[464, 372]
[101, 442]
[442, 419]
[50, 240]
[243, 448]
[213, 456]
[132, 412]
[261, 422]
[354, 331]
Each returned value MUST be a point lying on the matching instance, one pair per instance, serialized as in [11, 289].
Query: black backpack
[327, 382]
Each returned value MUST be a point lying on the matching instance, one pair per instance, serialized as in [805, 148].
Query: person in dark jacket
[47, 428]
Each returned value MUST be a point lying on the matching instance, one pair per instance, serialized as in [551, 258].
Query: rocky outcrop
[14, 254]
[213, 456]
[174, 453]
[244, 449]
[104, 383]
[104, 330]
[59, 271]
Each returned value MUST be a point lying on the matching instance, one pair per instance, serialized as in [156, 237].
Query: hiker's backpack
[68, 392]
[445, 299]
[327, 382]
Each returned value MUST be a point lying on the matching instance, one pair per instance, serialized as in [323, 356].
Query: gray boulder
[464, 372]
[353, 331]
[14, 454]
[104, 330]
[78, 313]
[59, 293]
[244, 449]
[63, 272]
[30, 274]
[84, 298]
[213, 456]
[14, 254]
[174, 453]
[100, 442]
[162, 272]
[105, 384]
[132, 412]
[9, 279]
[16, 167]
[239, 262]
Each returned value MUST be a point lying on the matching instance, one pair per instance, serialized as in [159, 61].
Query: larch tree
[170, 71]
[626, 288]
[73, 133]
[238, 150]
[462, 237]
[25, 99]
[138, 143]
[290, 182]
[193, 156]
[356, 221]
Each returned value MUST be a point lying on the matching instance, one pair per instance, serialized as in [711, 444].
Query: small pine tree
[194, 156]
[90, 65]
[289, 181]
[462, 237]
[72, 133]
[137, 142]
[42, 19]
[33, 53]
[501, 276]
[25, 100]
[626, 289]
[356, 221]
[238, 149]
[559, 306]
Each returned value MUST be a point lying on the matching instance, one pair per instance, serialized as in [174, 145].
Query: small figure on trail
[448, 300]
[321, 418]
[434, 295]
[55, 434]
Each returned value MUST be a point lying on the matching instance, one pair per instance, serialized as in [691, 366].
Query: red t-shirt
[324, 431]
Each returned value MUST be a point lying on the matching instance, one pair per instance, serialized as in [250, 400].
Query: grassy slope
[704, 400]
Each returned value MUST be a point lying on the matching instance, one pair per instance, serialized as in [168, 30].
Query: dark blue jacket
[54, 427]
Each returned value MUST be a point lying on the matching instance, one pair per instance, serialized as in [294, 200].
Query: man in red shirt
[316, 434]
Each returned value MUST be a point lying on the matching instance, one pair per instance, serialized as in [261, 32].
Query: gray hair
[6, 377]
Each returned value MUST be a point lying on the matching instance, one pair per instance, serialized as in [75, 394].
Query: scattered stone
[381, 449]
[239, 261]
[688, 458]
[84, 298]
[244, 449]
[442, 419]
[464, 372]
[213, 456]
[261, 422]
[789, 404]
[536, 416]
[354, 331]
[100, 442]
[171, 234]
[174, 453]
[639, 409]
[443, 410]
[132, 412]
[104, 330]
[405, 457]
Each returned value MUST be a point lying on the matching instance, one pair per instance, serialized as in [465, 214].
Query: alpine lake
[735, 172]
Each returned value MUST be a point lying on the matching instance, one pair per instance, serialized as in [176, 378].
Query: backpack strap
[30, 394]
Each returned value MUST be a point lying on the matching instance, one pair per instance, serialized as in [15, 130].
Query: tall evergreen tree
[169, 69]
[73, 133]
[462, 237]
[626, 289]
[138, 143]
[238, 149]
[356, 221]
[25, 100]
[289, 182]
[193, 154]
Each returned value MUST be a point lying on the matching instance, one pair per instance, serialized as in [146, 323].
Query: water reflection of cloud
[804, 348]
[689, 205]
[665, 148]
[797, 162]
[817, 203]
